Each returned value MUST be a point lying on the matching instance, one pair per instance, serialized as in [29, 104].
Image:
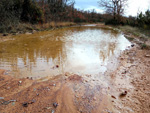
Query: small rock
[8, 87]
[25, 104]
[1, 98]
[12, 100]
[94, 98]
[123, 94]
[33, 101]
[57, 66]
[5, 102]
[54, 84]
[37, 94]
[34, 89]
[67, 74]
[13, 103]
[86, 81]
[124, 72]
[48, 107]
[132, 45]
[55, 104]
[20, 82]
[147, 55]
[53, 111]
[113, 97]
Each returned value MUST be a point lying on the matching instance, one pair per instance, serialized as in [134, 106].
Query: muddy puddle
[80, 50]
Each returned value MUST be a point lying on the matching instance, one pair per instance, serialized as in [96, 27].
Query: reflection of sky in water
[79, 50]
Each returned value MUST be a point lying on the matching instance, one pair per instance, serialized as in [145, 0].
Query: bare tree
[114, 7]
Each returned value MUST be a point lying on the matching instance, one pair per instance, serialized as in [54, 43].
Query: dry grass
[26, 27]
[139, 32]
[54, 25]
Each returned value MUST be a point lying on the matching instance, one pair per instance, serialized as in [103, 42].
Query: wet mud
[123, 88]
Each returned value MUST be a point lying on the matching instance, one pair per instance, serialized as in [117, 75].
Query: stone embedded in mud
[147, 55]
[2, 79]
[13, 103]
[123, 94]
[53, 111]
[55, 104]
[57, 66]
[8, 87]
[33, 101]
[12, 100]
[25, 104]
[132, 45]
[5, 102]
[67, 74]
[1, 98]
[113, 97]
[124, 72]
[20, 82]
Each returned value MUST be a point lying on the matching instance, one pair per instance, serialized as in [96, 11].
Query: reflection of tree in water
[108, 47]
[108, 51]
[30, 48]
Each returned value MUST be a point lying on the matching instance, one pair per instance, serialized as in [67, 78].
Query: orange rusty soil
[127, 90]
[74, 94]
[71, 94]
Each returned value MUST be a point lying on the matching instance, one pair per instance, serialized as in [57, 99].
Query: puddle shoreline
[76, 94]
[80, 50]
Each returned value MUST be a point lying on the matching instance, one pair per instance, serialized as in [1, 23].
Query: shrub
[9, 14]
[112, 22]
[31, 12]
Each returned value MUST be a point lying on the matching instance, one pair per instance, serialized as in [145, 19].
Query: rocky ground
[125, 89]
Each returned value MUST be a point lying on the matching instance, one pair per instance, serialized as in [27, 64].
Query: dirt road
[127, 89]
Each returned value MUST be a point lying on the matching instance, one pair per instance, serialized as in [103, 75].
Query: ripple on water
[80, 50]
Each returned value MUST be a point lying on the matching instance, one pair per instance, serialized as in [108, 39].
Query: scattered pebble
[20, 82]
[147, 55]
[123, 94]
[1, 98]
[8, 87]
[53, 111]
[113, 97]
[132, 45]
[67, 74]
[13, 103]
[5, 102]
[48, 107]
[12, 100]
[25, 104]
[57, 66]
[33, 101]
[34, 89]
[55, 104]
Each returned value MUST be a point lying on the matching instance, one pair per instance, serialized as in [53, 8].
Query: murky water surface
[80, 50]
